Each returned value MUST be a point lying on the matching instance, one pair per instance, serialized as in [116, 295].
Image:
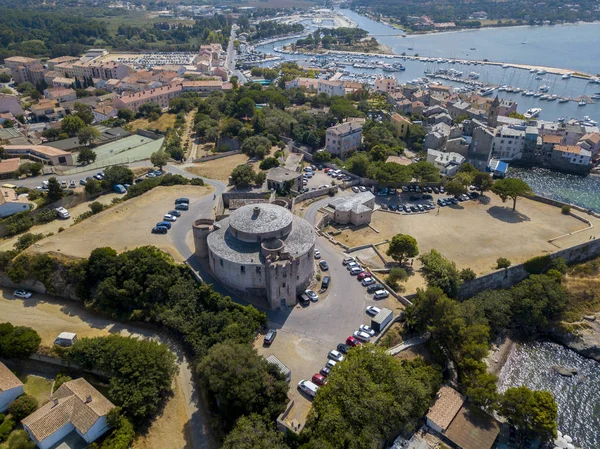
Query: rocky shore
[586, 340]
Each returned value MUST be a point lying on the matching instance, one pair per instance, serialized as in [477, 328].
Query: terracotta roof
[551, 138]
[568, 148]
[592, 137]
[42, 149]
[473, 431]
[446, 406]
[152, 93]
[9, 166]
[8, 380]
[76, 402]
[400, 118]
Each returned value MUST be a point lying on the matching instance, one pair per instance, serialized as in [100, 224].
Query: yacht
[538, 77]
[553, 97]
[533, 112]
[582, 103]
[529, 93]
[595, 96]
[532, 71]
[563, 100]
[502, 88]
[587, 119]
[537, 94]
[505, 66]
[541, 72]
[487, 91]
[594, 80]
[544, 97]
[566, 76]
[544, 88]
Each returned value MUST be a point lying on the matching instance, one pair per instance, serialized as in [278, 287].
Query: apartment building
[161, 96]
[331, 88]
[343, 139]
[94, 69]
[25, 69]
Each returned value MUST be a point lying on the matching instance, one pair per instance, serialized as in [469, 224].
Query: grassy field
[220, 168]
[165, 121]
[38, 387]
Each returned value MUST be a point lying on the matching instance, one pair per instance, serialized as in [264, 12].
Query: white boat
[544, 88]
[544, 97]
[552, 97]
[566, 76]
[541, 72]
[595, 96]
[487, 91]
[563, 100]
[474, 75]
[532, 71]
[582, 103]
[537, 94]
[505, 66]
[594, 80]
[587, 119]
[533, 112]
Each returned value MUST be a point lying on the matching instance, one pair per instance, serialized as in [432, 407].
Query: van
[62, 213]
[304, 299]
[65, 339]
[308, 387]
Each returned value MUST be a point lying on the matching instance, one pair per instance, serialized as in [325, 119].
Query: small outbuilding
[287, 373]
[381, 320]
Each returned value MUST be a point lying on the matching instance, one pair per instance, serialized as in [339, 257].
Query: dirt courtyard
[125, 226]
[475, 235]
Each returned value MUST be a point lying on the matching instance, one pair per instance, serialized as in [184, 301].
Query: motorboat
[582, 103]
[537, 94]
[563, 100]
[587, 119]
[544, 88]
[487, 91]
[532, 71]
[553, 97]
[566, 76]
[595, 96]
[544, 97]
[505, 66]
[541, 72]
[533, 112]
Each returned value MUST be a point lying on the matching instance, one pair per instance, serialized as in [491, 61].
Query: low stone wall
[149, 134]
[212, 157]
[315, 194]
[227, 196]
[551, 202]
[508, 277]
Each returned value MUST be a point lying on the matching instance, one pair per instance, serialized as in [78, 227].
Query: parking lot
[318, 178]
[307, 333]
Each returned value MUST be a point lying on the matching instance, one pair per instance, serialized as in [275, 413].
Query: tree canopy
[441, 272]
[254, 432]
[512, 188]
[18, 341]
[402, 246]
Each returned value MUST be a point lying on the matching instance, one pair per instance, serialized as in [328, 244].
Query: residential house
[385, 84]
[200, 86]
[104, 112]
[444, 117]
[434, 110]
[590, 142]
[76, 407]
[447, 163]
[11, 203]
[8, 167]
[284, 179]
[417, 107]
[43, 108]
[10, 386]
[343, 138]
[401, 124]
[356, 209]
[60, 94]
[508, 143]
[331, 88]
[437, 137]
[11, 104]
[62, 82]
[446, 406]
[571, 158]
[480, 149]
[458, 109]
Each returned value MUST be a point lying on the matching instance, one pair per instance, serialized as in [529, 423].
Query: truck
[62, 213]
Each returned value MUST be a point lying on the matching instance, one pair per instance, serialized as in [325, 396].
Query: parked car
[169, 217]
[165, 224]
[356, 271]
[308, 387]
[363, 336]
[72, 184]
[420, 207]
[426, 196]
[351, 264]
[182, 200]
[331, 363]
[355, 189]
[381, 294]
[342, 348]
[323, 265]
[82, 182]
[352, 341]
[23, 294]
[175, 213]
[270, 337]
[63, 184]
[325, 282]
[374, 287]
[406, 208]
[442, 190]
[372, 310]
[151, 175]
[311, 295]
[367, 329]
[367, 281]
[319, 379]
[404, 189]
[347, 260]
[325, 371]
[336, 355]
[384, 207]
[363, 274]
[317, 254]
[182, 206]
[363, 189]
[436, 190]
[159, 230]
[393, 207]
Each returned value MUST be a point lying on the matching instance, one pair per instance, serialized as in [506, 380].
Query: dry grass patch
[165, 121]
[220, 168]
[38, 387]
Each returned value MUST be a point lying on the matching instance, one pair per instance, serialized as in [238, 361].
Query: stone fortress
[259, 251]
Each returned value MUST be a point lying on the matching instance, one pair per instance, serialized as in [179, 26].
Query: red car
[352, 341]
[362, 275]
[319, 379]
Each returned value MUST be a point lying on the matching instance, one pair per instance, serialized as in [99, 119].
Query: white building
[331, 88]
[344, 138]
[11, 203]
[356, 209]
[446, 163]
[75, 407]
[508, 143]
[10, 387]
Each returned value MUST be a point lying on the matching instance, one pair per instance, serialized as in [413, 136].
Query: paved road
[230, 58]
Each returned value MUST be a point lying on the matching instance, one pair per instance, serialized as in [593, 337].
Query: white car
[312, 295]
[330, 364]
[72, 184]
[367, 281]
[351, 265]
[363, 336]
[366, 329]
[381, 294]
[372, 310]
[169, 217]
[363, 188]
[335, 355]
[24, 294]
[308, 387]
[355, 189]
[356, 270]
[317, 254]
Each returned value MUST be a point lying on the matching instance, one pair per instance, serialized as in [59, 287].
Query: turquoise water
[579, 190]
[578, 397]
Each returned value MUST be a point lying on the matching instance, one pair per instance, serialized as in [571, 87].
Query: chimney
[55, 403]
[256, 212]
[88, 399]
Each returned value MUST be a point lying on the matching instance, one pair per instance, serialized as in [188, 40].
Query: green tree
[253, 432]
[322, 156]
[92, 187]
[442, 273]
[483, 181]
[242, 382]
[402, 246]
[389, 174]
[87, 135]
[17, 341]
[26, 240]
[96, 207]
[126, 114]
[512, 188]
[256, 146]
[242, 176]
[358, 164]
[117, 174]
[482, 390]
[370, 398]
[86, 156]
[51, 133]
[503, 262]
[467, 274]
[246, 108]
[23, 406]
[55, 191]
[159, 159]
[71, 125]
[84, 112]
[268, 163]
[425, 172]
[456, 188]
[19, 439]
[150, 110]
[532, 413]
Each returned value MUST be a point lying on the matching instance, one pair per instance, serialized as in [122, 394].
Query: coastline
[499, 352]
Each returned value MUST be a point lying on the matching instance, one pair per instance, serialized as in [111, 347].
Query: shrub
[26, 240]
[17, 341]
[467, 274]
[61, 229]
[19, 439]
[45, 216]
[18, 223]
[61, 379]
[566, 209]
[503, 262]
[5, 428]
[197, 182]
[558, 264]
[84, 216]
[23, 406]
[537, 265]
[268, 163]
[96, 207]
